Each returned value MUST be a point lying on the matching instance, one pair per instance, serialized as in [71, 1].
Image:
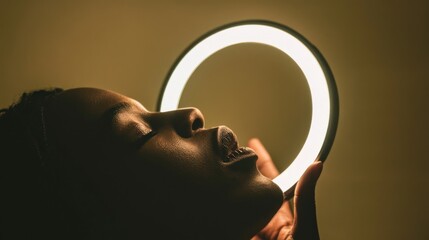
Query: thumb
[305, 223]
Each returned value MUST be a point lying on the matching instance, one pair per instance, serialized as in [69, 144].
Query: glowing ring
[319, 77]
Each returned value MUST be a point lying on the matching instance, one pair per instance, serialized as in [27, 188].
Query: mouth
[229, 148]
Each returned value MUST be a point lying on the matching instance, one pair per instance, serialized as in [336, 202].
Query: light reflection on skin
[147, 173]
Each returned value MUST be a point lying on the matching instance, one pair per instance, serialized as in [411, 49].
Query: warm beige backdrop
[375, 183]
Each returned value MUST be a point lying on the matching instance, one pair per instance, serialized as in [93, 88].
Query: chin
[263, 204]
[249, 210]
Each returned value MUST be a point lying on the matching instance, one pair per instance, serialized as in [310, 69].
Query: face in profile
[141, 173]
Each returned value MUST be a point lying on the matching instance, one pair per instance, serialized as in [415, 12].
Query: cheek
[177, 170]
[179, 162]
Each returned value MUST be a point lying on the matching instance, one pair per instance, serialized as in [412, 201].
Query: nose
[186, 121]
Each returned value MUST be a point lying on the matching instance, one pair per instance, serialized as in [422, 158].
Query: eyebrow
[111, 113]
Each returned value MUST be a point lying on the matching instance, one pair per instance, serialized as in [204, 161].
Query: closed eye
[144, 138]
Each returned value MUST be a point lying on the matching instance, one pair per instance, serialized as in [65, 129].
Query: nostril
[197, 124]
[187, 121]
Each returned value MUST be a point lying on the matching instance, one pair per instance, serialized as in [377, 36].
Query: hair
[28, 205]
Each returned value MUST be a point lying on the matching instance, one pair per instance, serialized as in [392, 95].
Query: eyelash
[144, 137]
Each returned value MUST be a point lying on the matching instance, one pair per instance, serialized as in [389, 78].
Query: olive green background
[375, 181]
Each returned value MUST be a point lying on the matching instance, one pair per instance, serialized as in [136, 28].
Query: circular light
[319, 77]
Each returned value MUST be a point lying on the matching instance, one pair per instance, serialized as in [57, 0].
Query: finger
[305, 225]
[265, 163]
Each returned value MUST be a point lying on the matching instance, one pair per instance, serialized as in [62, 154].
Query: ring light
[320, 80]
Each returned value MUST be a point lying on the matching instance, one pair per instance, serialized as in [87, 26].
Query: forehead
[88, 103]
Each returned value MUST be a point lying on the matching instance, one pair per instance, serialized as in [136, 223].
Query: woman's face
[151, 172]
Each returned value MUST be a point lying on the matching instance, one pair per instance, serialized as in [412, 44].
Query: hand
[284, 225]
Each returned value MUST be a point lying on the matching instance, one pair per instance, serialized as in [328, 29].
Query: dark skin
[286, 225]
[148, 174]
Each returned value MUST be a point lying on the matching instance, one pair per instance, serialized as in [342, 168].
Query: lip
[229, 149]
